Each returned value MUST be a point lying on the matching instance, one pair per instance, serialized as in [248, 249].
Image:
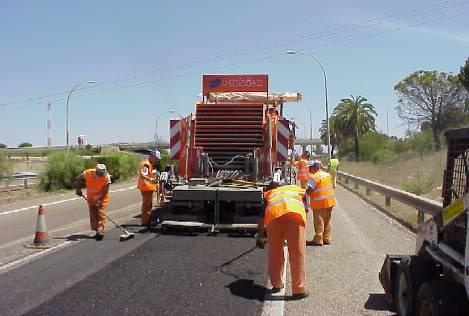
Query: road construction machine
[225, 151]
[435, 281]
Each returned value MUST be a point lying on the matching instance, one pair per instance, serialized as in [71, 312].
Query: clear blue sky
[149, 56]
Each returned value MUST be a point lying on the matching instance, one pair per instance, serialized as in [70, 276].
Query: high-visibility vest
[95, 185]
[323, 195]
[302, 173]
[283, 200]
[333, 164]
[144, 184]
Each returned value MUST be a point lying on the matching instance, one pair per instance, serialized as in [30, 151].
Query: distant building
[81, 140]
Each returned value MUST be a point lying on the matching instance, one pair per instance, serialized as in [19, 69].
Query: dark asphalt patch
[172, 275]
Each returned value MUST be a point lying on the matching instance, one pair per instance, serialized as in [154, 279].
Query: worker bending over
[301, 165]
[147, 184]
[96, 181]
[285, 219]
[322, 200]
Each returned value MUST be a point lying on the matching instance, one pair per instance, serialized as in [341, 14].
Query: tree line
[429, 102]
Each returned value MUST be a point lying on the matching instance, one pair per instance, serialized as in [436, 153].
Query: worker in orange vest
[322, 199]
[96, 181]
[147, 184]
[285, 219]
[302, 174]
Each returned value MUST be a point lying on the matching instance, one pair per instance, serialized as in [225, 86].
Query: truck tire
[441, 298]
[412, 272]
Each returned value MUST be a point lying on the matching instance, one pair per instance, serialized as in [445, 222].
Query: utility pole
[387, 121]
[49, 124]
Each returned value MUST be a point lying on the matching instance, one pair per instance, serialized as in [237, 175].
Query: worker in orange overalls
[147, 184]
[322, 199]
[285, 219]
[302, 174]
[96, 181]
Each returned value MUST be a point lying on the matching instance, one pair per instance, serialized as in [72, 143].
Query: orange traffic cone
[41, 238]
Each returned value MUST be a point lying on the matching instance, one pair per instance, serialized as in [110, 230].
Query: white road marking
[274, 304]
[18, 263]
[56, 202]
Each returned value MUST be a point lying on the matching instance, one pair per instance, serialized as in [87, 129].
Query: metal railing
[20, 180]
[423, 205]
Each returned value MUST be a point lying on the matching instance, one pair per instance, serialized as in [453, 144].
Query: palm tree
[334, 132]
[355, 117]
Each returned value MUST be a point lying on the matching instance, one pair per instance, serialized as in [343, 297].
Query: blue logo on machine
[215, 83]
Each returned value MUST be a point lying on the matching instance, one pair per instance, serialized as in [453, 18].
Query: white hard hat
[101, 169]
[156, 154]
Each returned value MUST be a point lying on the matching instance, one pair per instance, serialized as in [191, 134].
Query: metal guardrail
[21, 177]
[423, 205]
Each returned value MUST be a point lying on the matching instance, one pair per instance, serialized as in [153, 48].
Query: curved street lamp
[68, 110]
[156, 127]
[292, 52]
[310, 128]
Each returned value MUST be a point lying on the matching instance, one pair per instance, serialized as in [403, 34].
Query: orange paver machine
[234, 142]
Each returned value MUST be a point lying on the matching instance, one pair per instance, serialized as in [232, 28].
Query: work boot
[274, 290]
[313, 243]
[99, 236]
[300, 296]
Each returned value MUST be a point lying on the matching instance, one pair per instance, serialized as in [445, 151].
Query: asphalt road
[66, 217]
[199, 274]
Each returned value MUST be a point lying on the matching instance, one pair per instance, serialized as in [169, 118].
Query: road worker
[301, 165]
[147, 184]
[333, 168]
[96, 181]
[284, 219]
[322, 199]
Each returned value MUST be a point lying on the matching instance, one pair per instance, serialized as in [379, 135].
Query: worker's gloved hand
[260, 241]
[79, 193]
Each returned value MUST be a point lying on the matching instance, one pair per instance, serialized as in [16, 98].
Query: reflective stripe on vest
[283, 200]
[319, 198]
[333, 163]
[303, 172]
[94, 185]
[324, 189]
[323, 195]
[144, 184]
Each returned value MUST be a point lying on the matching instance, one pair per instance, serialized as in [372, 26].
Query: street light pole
[310, 129]
[156, 127]
[68, 111]
[292, 52]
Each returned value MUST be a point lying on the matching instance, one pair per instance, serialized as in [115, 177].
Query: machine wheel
[412, 272]
[441, 298]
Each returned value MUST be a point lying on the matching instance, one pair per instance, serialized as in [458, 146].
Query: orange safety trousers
[147, 204]
[289, 227]
[98, 217]
[322, 225]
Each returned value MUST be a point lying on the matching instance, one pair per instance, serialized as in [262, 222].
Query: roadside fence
[421, 204]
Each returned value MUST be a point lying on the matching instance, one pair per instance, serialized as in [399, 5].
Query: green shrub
[419, 185]
[371, 143]
[5, 166]
[422, 142]
[61, 170]
[383, 155]
[120, 165]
